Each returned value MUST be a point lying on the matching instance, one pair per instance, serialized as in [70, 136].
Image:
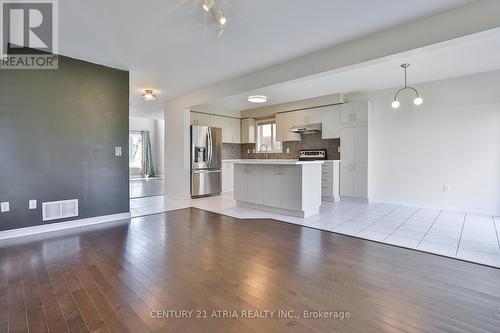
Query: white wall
[452, 139]
[156, 132]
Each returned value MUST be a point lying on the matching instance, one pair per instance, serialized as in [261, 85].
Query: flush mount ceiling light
[148, 95]
[417, 101]
[216, 9]
[257, 99]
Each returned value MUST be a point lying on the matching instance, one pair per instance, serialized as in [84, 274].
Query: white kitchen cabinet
[329, 117]
[255, 184]
[292, 188]
[346, 179]
[346, 113]
[360, 144]
[347, 144]
[330, 181]
[236, 130]
[240, 182]
[291, 185]
[272, 186]
[230, 128]
[354, 158]
[284, 121]
[354, 179]
[227, 176]
[201, 119]
[360, 111]
[248, 128]
[356, 112]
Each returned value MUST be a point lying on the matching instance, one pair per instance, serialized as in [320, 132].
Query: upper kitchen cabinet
[354, 113]
[236, 130]
[248, 126]
[329, 117]
[201, 119]
[285, 121]
[231, 127]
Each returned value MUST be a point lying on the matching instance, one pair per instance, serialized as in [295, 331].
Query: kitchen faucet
[260, 150]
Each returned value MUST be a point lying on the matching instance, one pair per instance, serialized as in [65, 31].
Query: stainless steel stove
[312, 155]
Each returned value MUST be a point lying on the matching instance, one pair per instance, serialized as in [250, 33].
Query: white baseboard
[62, 225]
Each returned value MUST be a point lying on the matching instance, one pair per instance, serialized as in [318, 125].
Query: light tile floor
[459, 235]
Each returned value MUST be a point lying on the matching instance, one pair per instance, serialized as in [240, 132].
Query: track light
[207, 5]
[215, 8]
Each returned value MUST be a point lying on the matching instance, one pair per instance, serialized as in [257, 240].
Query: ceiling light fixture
[148, 95]
[215, 7]
[257, 99]
[417, 101]
[207, 5]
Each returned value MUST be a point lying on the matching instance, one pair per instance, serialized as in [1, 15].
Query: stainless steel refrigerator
[206, 161]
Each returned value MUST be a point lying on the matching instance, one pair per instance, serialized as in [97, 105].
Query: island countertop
[276, 162]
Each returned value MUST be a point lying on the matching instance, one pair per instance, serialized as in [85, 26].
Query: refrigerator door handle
[209, 148]
[207, 171]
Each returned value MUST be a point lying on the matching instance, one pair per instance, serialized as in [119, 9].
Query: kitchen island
[288, 187]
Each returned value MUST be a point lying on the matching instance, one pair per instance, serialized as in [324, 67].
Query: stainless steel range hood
[306, 128]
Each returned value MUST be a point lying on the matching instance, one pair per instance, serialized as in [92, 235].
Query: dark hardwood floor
[111, 277]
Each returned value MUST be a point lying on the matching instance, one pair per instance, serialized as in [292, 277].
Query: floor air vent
[56, 210]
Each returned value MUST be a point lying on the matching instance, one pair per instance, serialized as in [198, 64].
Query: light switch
[118, 151]
[4, 207]
[32, 204]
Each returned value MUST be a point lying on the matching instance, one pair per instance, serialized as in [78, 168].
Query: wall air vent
[56, 210]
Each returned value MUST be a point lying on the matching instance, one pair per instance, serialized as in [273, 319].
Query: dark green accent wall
[58, 130]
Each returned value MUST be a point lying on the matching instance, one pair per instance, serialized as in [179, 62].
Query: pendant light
[417, 101]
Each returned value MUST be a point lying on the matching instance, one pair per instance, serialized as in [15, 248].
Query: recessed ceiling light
[148, 95]
[257, 99]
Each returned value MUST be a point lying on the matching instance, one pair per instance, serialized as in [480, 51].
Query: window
[266, 134]
[135, 153]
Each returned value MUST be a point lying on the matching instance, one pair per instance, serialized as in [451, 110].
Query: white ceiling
[472, 54]
[172, 47]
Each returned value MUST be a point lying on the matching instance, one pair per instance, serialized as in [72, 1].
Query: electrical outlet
[288, 150]
[338, 149]
[248, 151]
[446, 188]
[118, 151]
[32, 204]
[4, 207]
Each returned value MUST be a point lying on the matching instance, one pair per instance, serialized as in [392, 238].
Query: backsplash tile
[309, 141]
[231, 151]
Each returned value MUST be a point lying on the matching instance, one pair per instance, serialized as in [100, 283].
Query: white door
[360, 111]
[330, 119]
[291, 187]
[360, 177]
[347, 144]
[360, 144]
[272, 186]
[346, 113]
[240, 182]
[255, 184]
[346, 179]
